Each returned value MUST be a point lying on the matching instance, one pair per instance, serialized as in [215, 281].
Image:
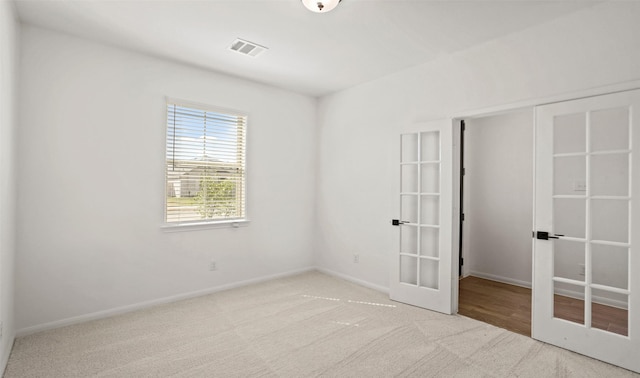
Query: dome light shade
[320, 6]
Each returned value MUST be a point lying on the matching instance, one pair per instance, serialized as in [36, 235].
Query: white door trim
[544, 100]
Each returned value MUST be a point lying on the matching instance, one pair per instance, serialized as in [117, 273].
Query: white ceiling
[310, 53]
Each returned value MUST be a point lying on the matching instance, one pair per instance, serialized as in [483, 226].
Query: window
[205, 165]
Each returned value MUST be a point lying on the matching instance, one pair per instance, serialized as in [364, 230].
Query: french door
[586, 287]
[421, 268]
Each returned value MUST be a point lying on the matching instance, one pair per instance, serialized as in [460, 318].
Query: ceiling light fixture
[319, 6]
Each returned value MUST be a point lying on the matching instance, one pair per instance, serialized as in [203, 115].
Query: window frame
[204, 223]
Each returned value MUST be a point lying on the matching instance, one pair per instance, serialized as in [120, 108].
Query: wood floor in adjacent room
[502, 305]
[509, 307]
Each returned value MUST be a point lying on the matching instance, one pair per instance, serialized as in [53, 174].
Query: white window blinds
[205, 160]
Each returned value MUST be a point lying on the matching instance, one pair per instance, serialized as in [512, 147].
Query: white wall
[499, 184]
[91, 182]
[9, 31]
[359, 127]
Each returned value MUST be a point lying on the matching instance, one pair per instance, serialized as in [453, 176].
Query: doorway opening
[496, 223]
[496, 219]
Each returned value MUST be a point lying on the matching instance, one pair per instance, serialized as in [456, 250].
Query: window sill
[195, 226]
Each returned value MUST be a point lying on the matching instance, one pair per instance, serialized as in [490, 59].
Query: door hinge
[464, 171]
[462, 216]
[461, 261]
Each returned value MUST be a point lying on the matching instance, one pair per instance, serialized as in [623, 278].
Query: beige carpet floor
[302, 326]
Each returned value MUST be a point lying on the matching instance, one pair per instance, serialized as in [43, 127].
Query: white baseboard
[354, 280]
[595, 298]
[6, 353]
[567, 293]
[143, 305]
[506, 280]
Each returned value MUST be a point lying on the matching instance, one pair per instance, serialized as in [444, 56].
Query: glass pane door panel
[569, 217]
[409, 147]
[409, 239]
[409, 270]
[610, 220]
[610, 129]
[569, 133]
[568, 259]
[569, 175]
[584, 190]
[429, 273]
[430, 146]
[606, 316]
[429, 242]
[409, 178]
[610, 266]
[409, 208]
[568, 302]
[430, 210]
[430, 177]
[610, 175]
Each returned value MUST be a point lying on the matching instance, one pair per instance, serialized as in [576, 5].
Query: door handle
[544, 235]
[397, 222]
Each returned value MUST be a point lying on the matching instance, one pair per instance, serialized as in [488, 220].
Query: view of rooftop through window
[205, 165]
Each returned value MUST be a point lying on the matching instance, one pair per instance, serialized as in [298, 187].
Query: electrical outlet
[213, 266]
[581, 272]
[356, 258]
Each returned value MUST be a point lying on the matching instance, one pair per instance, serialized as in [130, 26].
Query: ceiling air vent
[246, 48]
